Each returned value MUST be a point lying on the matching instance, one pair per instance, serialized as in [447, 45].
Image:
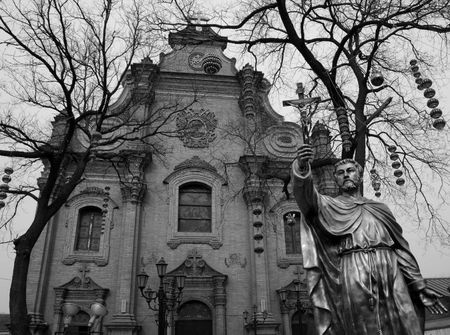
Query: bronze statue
[362, 278]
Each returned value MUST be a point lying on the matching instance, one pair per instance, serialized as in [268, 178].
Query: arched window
[194, 208]
[194, 317]
[89, 229]
[292, 232]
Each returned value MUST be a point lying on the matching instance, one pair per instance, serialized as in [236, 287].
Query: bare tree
[70, 60]
[356, 55]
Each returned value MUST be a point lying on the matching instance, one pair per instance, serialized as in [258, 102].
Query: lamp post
[298, 306]
[158, 300]
[254, 320]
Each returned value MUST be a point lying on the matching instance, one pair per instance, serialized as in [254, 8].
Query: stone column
[133, 190]
[285, 319]
[220, 301]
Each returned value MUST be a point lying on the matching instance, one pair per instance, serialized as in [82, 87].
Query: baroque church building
[217, 207]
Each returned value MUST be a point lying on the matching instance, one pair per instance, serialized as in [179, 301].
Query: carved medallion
[195, 61]
[196, 128]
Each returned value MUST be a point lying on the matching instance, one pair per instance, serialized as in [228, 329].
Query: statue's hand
[430, 299]
[304, 155]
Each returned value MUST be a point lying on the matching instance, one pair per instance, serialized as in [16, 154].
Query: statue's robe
[362, 277]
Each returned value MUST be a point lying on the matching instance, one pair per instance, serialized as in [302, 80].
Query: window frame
[206, 190]
[89, 197]
[284, 260]
[195, 175]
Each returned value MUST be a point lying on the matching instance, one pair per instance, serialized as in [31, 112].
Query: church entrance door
[194, 318]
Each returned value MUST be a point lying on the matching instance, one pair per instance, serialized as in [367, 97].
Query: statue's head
[348, 175]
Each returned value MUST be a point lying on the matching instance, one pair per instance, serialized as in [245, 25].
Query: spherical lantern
[396, 164]
[378, 194]
[6, 178]
[439, 124]
[394, 156]
[376, 77]
[414, 68]
[417, 75]
[413, 62]
[433, 103]
[259, 250]
[3, 195]
[258, 237]
[429, 93]
[2, 204]
[418, 81]
[398, 173]
[257, 224]
[391, 148]
[400, 181]
[211, 64]
[373, 171]
[426, 83]
[4, 187]
[436, 113]
[376, 185]
[9, 170]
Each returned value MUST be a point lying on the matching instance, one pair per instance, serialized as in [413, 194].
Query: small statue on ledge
[362, 277]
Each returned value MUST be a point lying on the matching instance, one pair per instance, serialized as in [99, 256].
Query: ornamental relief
[196, 128]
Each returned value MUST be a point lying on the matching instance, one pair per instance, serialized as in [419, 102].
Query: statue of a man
[362, 278]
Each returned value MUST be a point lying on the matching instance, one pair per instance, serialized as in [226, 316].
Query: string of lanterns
[429, 93]
[5, 186]
[105, 208]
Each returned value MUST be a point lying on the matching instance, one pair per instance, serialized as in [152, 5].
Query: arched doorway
[194, 318]
[305, 326]
[79, 324]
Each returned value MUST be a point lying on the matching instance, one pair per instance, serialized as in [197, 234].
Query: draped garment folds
[362, 278]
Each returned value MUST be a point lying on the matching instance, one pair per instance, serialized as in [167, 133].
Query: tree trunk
[18, 291]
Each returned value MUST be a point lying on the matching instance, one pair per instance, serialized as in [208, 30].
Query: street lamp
[298, 306]
[162, 300]
[254, 320]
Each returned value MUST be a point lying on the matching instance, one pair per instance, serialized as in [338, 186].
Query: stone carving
[195, 61]
[236, 259]
[194, 262]
[196, 128]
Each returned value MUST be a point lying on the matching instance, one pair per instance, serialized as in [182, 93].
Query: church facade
[216, 206]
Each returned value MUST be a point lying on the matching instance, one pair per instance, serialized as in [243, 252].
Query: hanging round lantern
[6, 178]
[347, 145]
[3, 195]
[376, 78]
[400, 181]
[257, 224]
[398, 173]
[391, 148]
[396, 164]
[4, 187]
[373, 171]
[436, 113]
[394, 156]
[417, 76]
[258, 237]
[259, 250]
[426, 83]
[9, 170]
[413, 62]
[433, 103]
[415, 68]
[376, 185]
[429, 93]
[2, 204]
[439, 124]
[378, 194]
[418, 81]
